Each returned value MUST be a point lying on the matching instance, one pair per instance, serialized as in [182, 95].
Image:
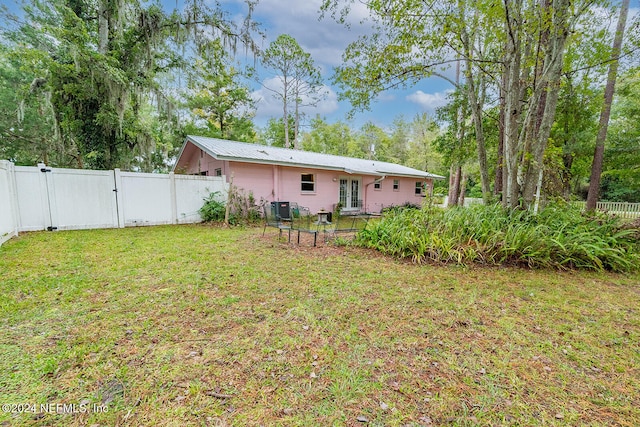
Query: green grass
[198, 325]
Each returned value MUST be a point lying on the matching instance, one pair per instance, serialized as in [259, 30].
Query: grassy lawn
[195, 325]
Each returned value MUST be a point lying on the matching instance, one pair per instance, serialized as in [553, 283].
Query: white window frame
[303, 182]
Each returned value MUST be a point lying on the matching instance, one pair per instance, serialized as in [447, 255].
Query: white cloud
[386, 97]
[324, 39]
[429, 101]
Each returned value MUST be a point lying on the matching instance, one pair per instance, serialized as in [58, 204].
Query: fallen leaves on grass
[225, 326]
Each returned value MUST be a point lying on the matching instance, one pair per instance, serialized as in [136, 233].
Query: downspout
[364, 201]
[276, 183]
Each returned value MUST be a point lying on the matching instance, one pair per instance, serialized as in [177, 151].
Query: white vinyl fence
[8, 213]
[621, 209]
[44, 198]
[468, 201]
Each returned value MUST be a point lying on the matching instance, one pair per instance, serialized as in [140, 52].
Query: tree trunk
[463, 187]
[452, 194]
[454, 185]
[546, 100]
[476, 107]
[296, 124]
[598, 155]
[567, 145]
[456, 168]
[227, 209]
[497, 187]
[536, 205]
[285, 114]
[221, 123]
[513, 108]
[567, 162]
[476, 114]
[103, 26]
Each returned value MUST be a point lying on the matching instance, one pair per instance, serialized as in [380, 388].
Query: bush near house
[560, 236]
[398, 208]
[213, 209]
[242, 210]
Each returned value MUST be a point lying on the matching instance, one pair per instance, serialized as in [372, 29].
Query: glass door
[350, 193]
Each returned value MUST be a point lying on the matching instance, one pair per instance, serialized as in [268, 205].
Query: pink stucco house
[314, 180]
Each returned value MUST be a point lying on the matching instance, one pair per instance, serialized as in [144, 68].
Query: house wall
[326, 191]
[271, 182]
[261, 180]
[191, 161]
[195, 161]
[376, 200]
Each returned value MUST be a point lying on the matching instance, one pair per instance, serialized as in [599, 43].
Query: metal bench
[347, 223]
[302, 222]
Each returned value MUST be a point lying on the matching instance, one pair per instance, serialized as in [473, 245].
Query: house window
[377, 185]
[307, 182]
[396, 184]
[218, 172]
[418, 188]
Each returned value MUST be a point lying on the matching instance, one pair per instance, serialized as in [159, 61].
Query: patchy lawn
[194, 325]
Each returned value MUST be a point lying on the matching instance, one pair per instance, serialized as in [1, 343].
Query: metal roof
[254, 153]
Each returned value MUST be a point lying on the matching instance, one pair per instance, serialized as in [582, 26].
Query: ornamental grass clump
[560, 236]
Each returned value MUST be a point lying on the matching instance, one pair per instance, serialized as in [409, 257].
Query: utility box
[281, 210]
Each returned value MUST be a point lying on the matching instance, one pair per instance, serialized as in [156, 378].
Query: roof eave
[426, 175]
[274, 162]
[184, 144]
[298, 165]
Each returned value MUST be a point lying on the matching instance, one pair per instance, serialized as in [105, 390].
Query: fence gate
[65, 199]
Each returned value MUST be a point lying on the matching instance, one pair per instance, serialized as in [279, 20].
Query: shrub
[213, 209]
[243, 208]
[397, 208]
[560, 236]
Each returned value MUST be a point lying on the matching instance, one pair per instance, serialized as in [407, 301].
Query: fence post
[117, 179]
[13, 190]
[48, 197]
[12, 201]
[173, 197]
[44, 195]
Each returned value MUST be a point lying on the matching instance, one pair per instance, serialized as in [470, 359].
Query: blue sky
[325, 40]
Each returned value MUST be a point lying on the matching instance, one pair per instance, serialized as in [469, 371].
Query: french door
[350, 198]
